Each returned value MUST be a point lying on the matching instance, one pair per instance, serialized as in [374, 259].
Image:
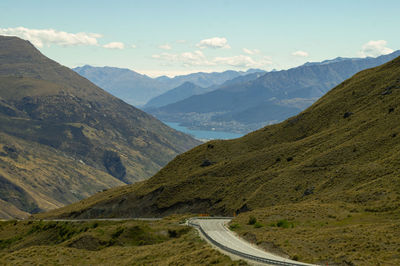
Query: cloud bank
[242, 61]
[114, 45]
[375, 48]
[46, 37]
[214, 43]
[165, 46]
[300, 53]
[197, 58]
[251, 51]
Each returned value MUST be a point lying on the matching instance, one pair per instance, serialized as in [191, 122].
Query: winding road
[216, 232]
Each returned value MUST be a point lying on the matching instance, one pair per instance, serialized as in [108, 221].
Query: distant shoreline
[203, 135]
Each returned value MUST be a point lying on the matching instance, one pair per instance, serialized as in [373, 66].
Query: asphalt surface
[216, 229]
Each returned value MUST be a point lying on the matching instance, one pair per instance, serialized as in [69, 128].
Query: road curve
[220, 236]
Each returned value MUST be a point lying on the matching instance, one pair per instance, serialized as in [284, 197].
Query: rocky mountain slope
[62, 138]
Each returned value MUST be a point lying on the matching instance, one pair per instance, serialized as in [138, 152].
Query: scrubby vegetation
[325, 233]
[105, 242]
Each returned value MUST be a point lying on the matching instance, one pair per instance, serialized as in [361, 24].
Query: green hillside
[336, 165]
[63, 139]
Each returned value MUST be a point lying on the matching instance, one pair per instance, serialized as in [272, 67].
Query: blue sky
[177, 37]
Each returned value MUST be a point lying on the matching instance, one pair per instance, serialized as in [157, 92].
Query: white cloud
[165, 46]
[214, 43]
[114, 45]
[375, 48]
[195, 58]
[300, 53]
[243, 61]
[251, 51]
[42, 37]
[198, 58]
[133, 46]
[171, 73]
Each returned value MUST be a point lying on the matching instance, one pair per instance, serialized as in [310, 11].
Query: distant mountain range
[181, 92]
[128, 85]
[62, 138]
[189, 89]
[138, 89]
[245, 105]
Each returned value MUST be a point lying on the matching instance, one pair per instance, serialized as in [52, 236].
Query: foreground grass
[324, 233]
[105, 243]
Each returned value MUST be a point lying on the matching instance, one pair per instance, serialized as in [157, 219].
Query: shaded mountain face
[343, 151]
[128, 85]
[206, 80]
[62, 138]
[273, 97]
[188, 89]
[181, 92]
[138, 89]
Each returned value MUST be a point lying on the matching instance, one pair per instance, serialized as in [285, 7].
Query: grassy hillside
[340, 149]
[63, 139]
[339, 156]
[104, 243]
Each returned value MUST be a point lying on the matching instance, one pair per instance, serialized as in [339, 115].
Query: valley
[332, 170]
[244, 105]
[199, 132]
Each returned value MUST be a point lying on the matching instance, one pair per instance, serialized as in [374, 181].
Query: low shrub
[234, 226]
[252, 220]
[258, 225]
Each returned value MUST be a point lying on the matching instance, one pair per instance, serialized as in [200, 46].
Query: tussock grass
[104, 243]
[325, 233]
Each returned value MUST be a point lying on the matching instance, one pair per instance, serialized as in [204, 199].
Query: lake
[203, 134]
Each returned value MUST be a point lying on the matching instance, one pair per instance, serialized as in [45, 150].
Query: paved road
[216, 229]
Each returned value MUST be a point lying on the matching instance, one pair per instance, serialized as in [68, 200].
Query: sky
[158, 37]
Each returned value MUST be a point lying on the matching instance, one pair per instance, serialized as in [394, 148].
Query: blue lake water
[203, 134]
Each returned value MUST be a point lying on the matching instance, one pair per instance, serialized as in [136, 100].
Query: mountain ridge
[62, 138]
[138, 89]
[304, 83]
[181, 92]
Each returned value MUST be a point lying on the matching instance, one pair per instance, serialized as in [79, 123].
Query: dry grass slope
[105, 243]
